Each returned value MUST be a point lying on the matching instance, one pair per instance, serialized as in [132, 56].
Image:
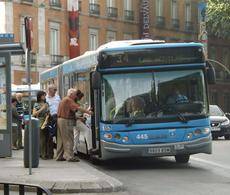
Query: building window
[159, 7]
[22, 30]
[94, 7]
[175, 20]
[110, 36]
[111, 9]
[93, 39]
[54, 38]
[128, 12]
[188, 17]
[128, 36]
[55, 3]
[54, 33]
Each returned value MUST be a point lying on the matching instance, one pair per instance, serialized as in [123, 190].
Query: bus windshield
[153, 96]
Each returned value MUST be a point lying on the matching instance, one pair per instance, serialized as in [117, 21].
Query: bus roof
[150, 45]
[81, 63]
[49, 74]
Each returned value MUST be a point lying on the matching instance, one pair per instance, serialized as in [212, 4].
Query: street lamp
[220, 64]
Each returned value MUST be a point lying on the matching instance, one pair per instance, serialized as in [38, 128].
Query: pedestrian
[81, 127]
[53, 99]
[20, 110]
[41, 111]
[15, 124]
[66, 123]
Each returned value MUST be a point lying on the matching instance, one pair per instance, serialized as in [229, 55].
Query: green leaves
[218, 18]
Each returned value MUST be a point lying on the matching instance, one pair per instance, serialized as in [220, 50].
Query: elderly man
[66, 123]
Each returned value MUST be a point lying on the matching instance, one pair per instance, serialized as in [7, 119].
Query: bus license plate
[161, 150]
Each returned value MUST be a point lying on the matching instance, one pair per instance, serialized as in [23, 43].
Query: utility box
[35, 134]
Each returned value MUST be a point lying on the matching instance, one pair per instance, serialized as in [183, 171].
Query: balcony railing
[55, 3]
[129, 15]
[94, 9]
[188, 26]
[160, 21]
[27, 1]
[33, 59]
[112, 12]
[175, 23]
[56, 59]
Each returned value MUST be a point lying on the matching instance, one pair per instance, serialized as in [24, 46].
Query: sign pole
[28, 31]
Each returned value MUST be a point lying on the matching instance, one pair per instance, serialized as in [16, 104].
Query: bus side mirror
[211, 74]
[96, 80]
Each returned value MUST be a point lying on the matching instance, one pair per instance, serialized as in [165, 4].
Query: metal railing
[22, 188]
[55, 3]
[27, 1]
[94, 8]
[56, 59]
[112, 12]
[160, 21]
[129, 15]
[175, 23]
[188, 26]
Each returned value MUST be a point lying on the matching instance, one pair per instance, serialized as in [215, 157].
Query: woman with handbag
[41, 111]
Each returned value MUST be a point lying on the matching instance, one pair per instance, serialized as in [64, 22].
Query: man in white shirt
[53, 99]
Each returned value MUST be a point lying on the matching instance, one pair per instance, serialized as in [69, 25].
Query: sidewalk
[59, 177]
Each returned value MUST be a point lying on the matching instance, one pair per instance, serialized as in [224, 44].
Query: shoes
[60, 159]
[14, 148]
[74, 159]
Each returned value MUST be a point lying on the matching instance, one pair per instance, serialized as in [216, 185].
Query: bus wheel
[182, 158]
[227, 137]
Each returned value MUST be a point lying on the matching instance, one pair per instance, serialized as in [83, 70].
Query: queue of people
[58, 119]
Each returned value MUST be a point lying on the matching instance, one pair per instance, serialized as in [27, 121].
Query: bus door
[94, 96]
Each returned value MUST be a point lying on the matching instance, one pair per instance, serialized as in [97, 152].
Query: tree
[218, 18]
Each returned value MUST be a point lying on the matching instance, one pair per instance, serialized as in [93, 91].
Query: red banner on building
[74, 47]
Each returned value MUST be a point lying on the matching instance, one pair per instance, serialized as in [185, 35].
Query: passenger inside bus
[177, 97]
[136, 106]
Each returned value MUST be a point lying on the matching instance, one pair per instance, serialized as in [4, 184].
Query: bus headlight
[125, 139]
[189, 135]
[108, 136]
[197, 132]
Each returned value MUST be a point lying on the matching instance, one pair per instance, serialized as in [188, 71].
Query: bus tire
[182, 158]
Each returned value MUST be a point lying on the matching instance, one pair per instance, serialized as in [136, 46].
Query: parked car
[220, 124]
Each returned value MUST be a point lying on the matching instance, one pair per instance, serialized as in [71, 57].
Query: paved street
[204, 175]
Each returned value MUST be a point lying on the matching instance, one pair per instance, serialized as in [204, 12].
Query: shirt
[67, 108]
[53, 103]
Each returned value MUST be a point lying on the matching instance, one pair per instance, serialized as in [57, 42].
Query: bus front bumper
[113, 150]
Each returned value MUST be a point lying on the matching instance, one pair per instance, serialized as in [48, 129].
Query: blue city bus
[149, 99]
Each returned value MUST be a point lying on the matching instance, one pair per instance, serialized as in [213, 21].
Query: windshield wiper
[182, 118]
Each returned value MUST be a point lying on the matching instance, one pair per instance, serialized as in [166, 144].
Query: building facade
[99, 21]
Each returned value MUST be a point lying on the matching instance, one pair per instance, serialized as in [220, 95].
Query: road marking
[210, 163]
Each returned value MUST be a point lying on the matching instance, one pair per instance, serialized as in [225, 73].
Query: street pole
[28, 60]
[29, 34]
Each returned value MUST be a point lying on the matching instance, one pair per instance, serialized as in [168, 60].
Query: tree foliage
[218, 18]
